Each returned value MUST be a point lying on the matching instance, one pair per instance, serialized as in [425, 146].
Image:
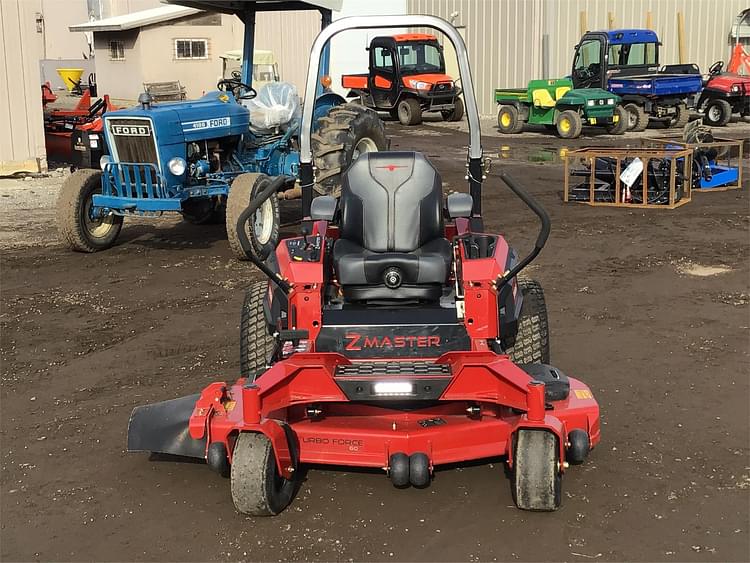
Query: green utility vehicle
[557, 105]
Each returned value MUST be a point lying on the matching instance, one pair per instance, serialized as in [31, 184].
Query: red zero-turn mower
[393, 334]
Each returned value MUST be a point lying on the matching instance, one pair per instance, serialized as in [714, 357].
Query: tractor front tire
[258, 489]
[263, 230]
[621, 127]
[569, 124]
[717, 113]
[409, 112]
[530, 343]
[78, 230]
[681, 117]
[508, 120]
[637, 117]
[346, 132]
[537, 482]
[256, 344]
[455, 114]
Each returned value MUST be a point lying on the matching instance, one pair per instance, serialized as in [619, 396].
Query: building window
[191, 48]
[116, 51]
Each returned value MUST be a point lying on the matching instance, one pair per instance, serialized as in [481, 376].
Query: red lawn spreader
[394, 333]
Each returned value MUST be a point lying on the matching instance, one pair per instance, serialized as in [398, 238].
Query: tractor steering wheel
[236, 87]
[716, 68]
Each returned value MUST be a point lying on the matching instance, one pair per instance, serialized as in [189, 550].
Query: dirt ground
[651, 308]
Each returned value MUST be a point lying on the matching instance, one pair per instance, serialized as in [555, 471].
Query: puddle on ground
[700, 270]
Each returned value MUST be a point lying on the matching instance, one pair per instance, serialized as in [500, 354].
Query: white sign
[206, 124]
[631, 172]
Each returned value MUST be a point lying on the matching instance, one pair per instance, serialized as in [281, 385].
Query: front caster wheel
[80, 227]
[537, 482]
[257, 487]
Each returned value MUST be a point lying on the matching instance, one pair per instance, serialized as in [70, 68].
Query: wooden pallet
[591, 154]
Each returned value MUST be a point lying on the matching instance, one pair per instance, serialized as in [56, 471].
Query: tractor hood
[581, 96]
[729, 83]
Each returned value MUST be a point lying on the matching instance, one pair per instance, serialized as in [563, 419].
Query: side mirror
[323, 208]
[460, 205]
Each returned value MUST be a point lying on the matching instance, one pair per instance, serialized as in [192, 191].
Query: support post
[325, 57]
[681, 37]
[583, 24]
[248, 46]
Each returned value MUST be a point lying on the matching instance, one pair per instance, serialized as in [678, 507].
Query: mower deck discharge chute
[394, 333]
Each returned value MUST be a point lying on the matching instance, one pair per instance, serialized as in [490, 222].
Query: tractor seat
[392, 243]
[542, 98]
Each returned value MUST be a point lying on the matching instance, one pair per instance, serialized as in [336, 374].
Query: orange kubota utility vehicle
[407, 78]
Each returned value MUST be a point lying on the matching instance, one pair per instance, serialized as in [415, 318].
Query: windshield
[633, 54]
[418, 58]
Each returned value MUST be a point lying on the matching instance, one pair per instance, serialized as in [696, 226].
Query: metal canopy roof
[239, 6]
[136, 19]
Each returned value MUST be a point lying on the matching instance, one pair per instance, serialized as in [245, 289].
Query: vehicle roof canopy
[241, 6]
[260, 56]
[404, 37]
[628, 36]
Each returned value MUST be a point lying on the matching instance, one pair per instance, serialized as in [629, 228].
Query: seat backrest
[391, 202]
[542, 98]
[560, 91]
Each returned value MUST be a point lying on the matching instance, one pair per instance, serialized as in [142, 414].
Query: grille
[134, 140]
[366, 369]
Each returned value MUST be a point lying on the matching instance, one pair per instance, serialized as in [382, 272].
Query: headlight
[420, 85]
[590, 102]
[393, 388]
[611, 101]
[104, 160]
[736, 88]
[177, 166]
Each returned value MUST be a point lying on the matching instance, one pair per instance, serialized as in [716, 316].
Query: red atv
[724, 94]
[393, 334]
[407, 78]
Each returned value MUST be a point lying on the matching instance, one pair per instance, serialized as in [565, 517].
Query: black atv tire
[76, 229]
[242, 191]
[569, 124]
[455, 114]
[204, 211]
[680, 118]
[717, 113]
[346, 132]
[257, 487]
[508, 120]
[537, 482]
[409, 111]
[256, 344]
[530, 343]
[621, 127]
[637, 118]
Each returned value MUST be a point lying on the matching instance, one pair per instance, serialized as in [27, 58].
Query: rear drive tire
[256, 344]
[409, 112]
[637, 117]
[77, 229]
[621, 127]
[537, 483]
[263, 233]
[717, 113]
[681, 117]
[346, 132]
[530, 343]
[569, 124]
[508, 120]
[455, 114]
[258, 489]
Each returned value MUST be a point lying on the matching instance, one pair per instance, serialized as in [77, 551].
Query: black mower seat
[391, 244]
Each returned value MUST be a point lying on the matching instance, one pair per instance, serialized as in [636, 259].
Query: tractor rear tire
[76, 227]
[537, 483]
[256, 344]
[717, 113]
[258, 489]
[508, 120]
[681, 117]
[530, 343]
[621, 127]
[637, 118]
[264, 232]
[346, 132]
[569, 124]
[409, 112]
[455, 114]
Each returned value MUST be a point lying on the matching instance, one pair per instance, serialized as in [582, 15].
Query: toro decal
[206, 124]
[356, 342]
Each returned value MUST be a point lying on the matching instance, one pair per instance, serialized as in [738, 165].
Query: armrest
[459, 205]
[323, 208]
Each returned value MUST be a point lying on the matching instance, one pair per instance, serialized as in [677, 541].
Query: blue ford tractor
[207, 158]
[626, 62]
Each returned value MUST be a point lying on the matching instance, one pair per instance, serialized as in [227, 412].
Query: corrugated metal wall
[505, 37]
[21, 121]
